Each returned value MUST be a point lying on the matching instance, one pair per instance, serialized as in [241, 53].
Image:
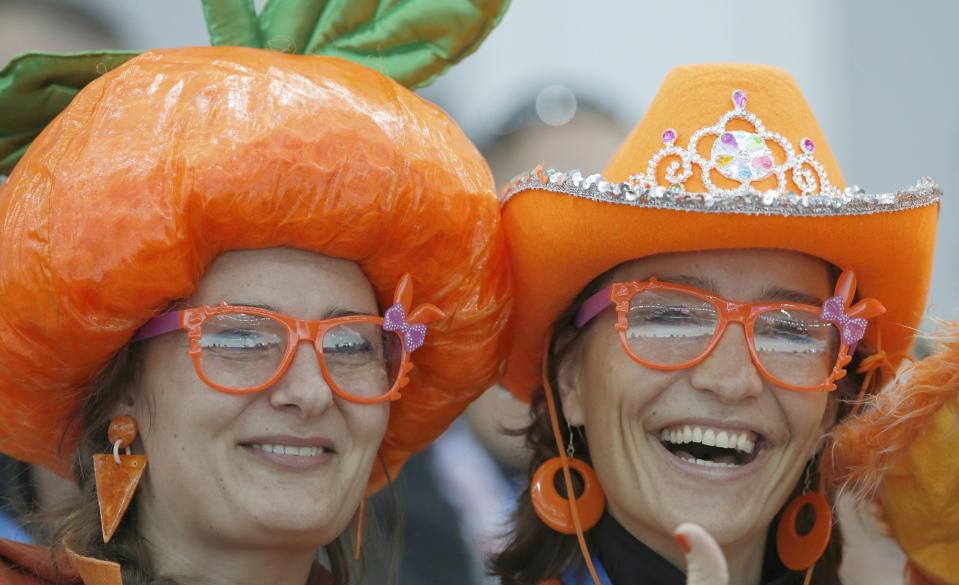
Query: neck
[743, 557]
[192, 559]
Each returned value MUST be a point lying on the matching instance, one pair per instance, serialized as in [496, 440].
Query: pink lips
[290, 452]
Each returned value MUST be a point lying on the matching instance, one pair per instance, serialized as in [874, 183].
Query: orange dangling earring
[801, 552]
[360, 520]
[117, 476]
[554, 509]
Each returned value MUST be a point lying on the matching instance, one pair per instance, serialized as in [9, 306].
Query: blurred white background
[881, 75]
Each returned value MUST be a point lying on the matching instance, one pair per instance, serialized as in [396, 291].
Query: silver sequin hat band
[851, 201]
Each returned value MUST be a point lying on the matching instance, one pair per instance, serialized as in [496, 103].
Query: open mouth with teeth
[711, 447]
[289, 450]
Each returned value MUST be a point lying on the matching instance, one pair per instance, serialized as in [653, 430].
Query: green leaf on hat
[233, 23]
[36, 87]
[412, 41]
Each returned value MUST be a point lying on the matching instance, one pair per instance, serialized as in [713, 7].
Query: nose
[728, 372]
[302, 391]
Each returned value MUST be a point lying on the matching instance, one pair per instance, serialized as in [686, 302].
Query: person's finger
[705, 562]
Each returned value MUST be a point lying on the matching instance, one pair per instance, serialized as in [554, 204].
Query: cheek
[175, 409]
[613, 381]
[366, 423]
[805, 412]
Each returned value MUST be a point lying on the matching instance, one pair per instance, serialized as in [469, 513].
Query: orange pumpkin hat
[161, 165]
[727, 156]
[900, 453]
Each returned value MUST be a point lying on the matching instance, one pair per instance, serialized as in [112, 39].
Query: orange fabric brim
[559, 243]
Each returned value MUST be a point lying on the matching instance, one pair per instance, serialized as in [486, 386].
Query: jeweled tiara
[742, 156]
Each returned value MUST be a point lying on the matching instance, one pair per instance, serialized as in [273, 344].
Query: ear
[829, 419]
[126, 404]
[128, 400]
[570, 388]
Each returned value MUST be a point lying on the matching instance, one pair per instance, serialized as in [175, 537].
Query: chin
[726, 526]
[727, 519]
[291, 528]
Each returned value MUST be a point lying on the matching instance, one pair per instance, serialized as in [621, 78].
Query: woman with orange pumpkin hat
[691, 326]
[239, 287]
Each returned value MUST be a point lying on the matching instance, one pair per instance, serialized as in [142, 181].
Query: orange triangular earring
[117, 476]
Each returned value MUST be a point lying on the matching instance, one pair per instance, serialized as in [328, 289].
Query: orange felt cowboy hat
[177, 156]
[727, 156]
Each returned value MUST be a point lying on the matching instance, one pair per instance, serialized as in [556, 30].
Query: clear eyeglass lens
[667, 327]
[796, 346]
[242, 350]
[362, 359]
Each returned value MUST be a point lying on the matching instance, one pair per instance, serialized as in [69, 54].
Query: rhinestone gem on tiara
[739, 155]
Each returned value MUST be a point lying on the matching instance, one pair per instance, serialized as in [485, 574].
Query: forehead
[304, 284]
[738, 274]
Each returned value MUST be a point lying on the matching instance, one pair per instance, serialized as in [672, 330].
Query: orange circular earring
[801, 551]
[552, 508]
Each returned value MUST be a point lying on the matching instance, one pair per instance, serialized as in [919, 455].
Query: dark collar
[628, 561]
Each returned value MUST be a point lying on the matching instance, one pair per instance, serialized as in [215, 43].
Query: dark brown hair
[537, 553]
[77, 523]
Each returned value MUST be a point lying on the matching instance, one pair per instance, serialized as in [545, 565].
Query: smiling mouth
[712, 447]
[291, 457]
[291, 450]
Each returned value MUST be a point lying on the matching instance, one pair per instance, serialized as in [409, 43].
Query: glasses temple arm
[156, 326]
[591, 307]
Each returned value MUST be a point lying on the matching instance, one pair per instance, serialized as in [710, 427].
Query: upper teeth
[289, 449]
[740, 440]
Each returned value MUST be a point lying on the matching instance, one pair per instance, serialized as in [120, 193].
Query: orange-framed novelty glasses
[799, 347]
[243, 350]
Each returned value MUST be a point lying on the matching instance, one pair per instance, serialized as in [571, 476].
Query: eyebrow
[771, 293]
[778, 293]
[254, 305]
[340, 312]
[333, 313]
[694, 281]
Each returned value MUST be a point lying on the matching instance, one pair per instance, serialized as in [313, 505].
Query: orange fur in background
[902, 451]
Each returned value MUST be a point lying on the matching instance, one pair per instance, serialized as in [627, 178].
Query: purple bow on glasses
[834, 311]
[394, 319]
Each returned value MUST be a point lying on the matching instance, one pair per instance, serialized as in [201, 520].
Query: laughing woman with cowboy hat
[690, 327]
[237, 289]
